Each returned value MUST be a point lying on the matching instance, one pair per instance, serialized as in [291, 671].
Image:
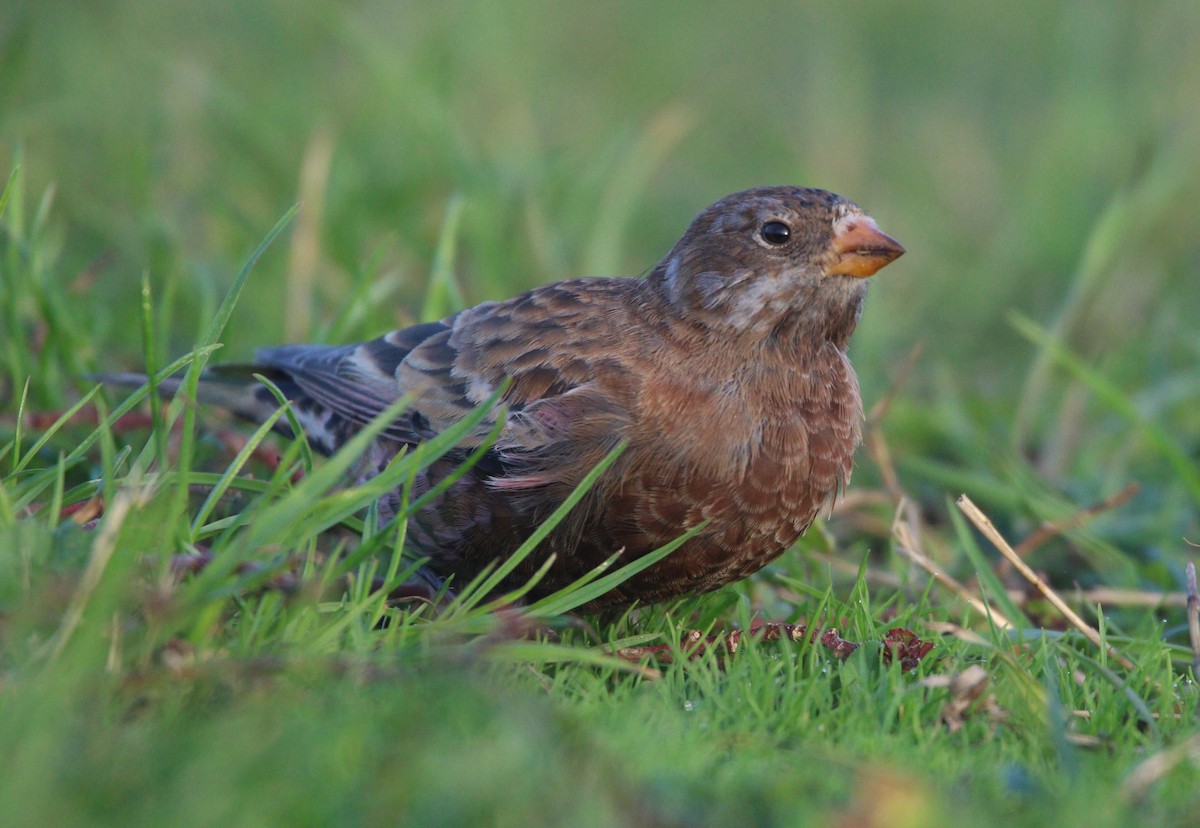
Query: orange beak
[860, 248]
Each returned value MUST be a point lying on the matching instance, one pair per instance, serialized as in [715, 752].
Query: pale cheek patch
[763, 297]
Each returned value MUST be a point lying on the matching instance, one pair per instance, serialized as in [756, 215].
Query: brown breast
[756, 454]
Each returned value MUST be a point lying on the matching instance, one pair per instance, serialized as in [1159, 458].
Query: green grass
[1037, 159]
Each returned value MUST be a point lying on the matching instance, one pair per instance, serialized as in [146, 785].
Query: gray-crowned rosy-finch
[725, 369]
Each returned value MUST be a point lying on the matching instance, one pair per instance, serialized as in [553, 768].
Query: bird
[723, 372]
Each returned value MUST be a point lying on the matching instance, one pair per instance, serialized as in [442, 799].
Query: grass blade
[506, 567]
[586, 589]
[1117, 400]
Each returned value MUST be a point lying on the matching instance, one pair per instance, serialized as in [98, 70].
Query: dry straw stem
[102, 552]
[1054, 528]
[1193, 616]
[1117, 597]
[1157, 766]
[984, 525]
[907, 544]
[304, 257]
[876, 445]
[959, 632]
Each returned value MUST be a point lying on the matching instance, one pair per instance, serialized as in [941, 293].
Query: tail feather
[235, 388]
[232, 387]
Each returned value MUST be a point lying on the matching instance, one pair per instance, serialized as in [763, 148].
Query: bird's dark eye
[775, 232]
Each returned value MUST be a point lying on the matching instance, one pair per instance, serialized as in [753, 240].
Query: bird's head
[759, 258]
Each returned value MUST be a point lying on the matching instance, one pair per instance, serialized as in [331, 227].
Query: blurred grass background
[1038, 159]
[583, 137]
